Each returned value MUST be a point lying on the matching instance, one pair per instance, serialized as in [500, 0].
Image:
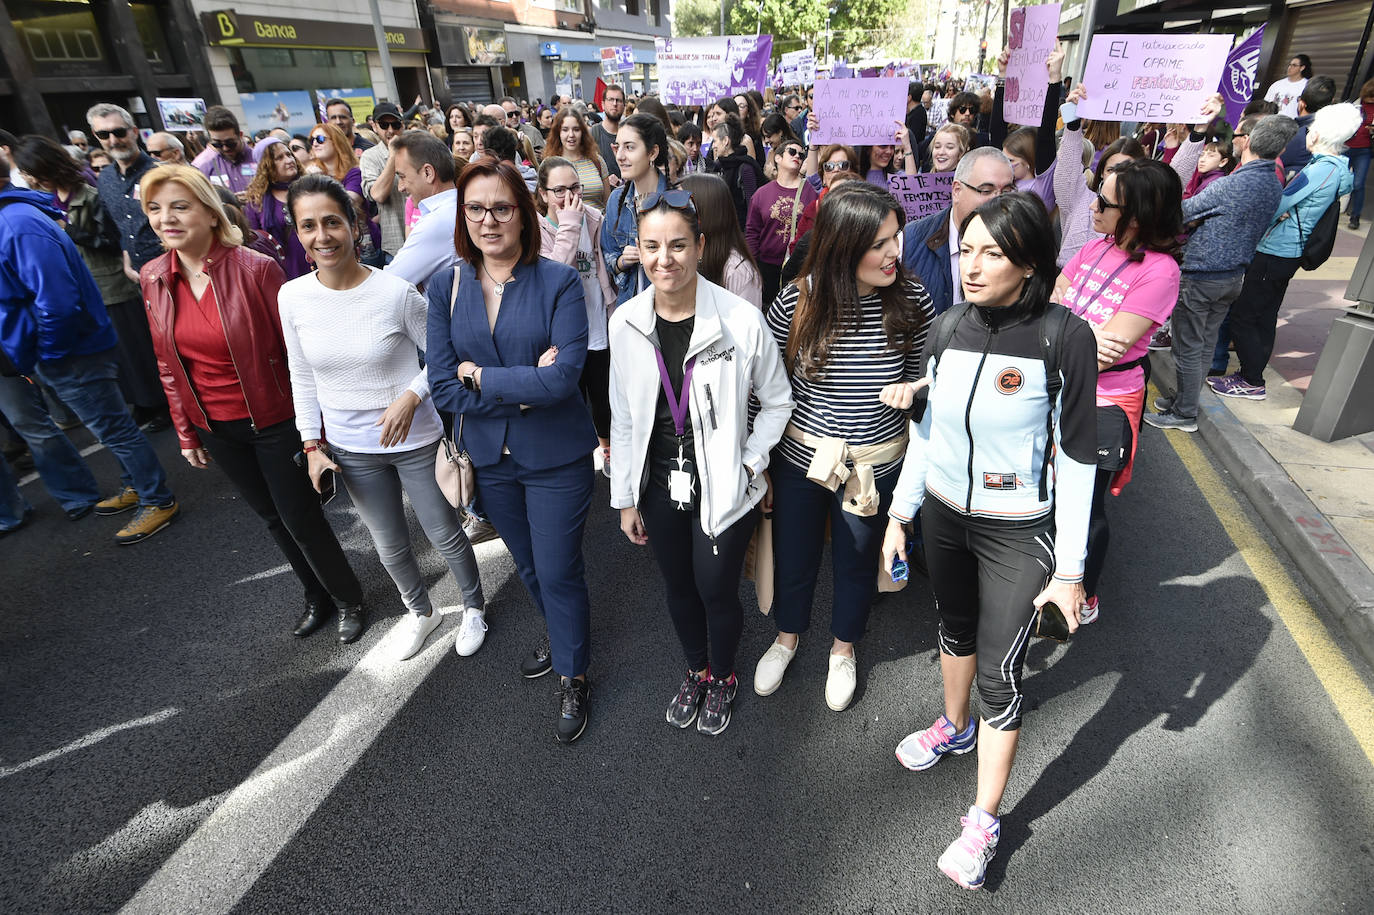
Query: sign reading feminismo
[697, 71]
[227, 28]
[1165, 78]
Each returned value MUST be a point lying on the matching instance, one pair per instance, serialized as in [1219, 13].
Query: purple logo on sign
[1238, 79]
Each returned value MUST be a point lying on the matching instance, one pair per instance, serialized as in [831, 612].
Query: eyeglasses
[676, 199]
[225, 144]
[562, 189]
[319, 139]
[965, 109]
[389, 124]
[1104, 206]
[841, 166]
[1239, 136]
[796, 153]
[295, 147]
[502, 212]
[120, 132]
[986, 190]
[159, 152]
[793, 108]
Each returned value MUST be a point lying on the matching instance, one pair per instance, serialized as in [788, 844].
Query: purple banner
[697, 71]
[1238, 78]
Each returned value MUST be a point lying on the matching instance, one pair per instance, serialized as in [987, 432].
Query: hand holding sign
[855, 111]
[1162, 78]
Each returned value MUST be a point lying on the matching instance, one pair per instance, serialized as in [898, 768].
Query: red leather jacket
[245, 284]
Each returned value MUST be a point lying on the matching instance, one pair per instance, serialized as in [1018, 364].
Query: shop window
[67, 43]
[571, 6]
[656, 11]
[632, 8]
[151, 35]
[287, 69]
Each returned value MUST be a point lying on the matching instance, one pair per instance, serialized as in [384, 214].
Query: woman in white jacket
[570, 233]
[685, 356]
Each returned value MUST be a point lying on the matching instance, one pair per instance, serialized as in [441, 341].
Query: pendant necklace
[499, 287]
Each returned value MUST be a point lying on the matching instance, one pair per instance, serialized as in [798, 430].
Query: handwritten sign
[1033, 33]
[697, 71]
[921, 195]
[798, 68]
[860, 112]
[1166, 78]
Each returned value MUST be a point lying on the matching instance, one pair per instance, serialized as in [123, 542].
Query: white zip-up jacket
[736, 356]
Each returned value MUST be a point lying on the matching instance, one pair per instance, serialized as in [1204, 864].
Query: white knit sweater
[351, 349]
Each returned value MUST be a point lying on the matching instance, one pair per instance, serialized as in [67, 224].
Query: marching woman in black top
[1012, 392]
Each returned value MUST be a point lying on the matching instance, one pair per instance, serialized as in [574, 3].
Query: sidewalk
[1317, 498]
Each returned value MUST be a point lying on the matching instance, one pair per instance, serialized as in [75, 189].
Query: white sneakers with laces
[414, 630]
[472, 632]
[840, 681]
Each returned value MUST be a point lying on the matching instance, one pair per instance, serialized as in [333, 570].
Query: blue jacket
[619, 230]
[931, 267]
[1295, 155]
[538, 413]
[50, 307]
[1304, 200]
[1235, 211]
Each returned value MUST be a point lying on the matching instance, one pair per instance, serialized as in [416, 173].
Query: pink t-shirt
[412, 213]
[1148, 289]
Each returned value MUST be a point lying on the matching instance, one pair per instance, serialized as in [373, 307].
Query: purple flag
[1238, 76]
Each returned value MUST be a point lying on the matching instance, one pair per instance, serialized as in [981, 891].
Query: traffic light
[983, 45]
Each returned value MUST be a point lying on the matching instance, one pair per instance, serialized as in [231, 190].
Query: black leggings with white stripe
[985, 576]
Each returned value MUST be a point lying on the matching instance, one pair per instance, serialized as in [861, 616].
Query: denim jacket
[619, 230]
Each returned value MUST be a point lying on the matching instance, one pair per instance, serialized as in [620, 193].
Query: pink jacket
[559, 243]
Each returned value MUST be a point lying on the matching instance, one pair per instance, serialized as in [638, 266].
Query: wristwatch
[469, 380]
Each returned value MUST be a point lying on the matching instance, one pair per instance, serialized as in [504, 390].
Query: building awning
[227, 28]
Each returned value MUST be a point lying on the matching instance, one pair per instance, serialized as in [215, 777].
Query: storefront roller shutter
[1329, 33]
[470, 84]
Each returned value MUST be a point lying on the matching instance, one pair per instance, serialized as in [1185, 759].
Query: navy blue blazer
[542, 307]
[930, 267]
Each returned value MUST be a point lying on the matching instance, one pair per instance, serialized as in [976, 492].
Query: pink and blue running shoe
[924, 749]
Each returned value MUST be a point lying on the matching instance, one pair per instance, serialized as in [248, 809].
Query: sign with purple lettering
[1238, 79]
[1033, 33]
[1164, 78]
[860, 112]
[697, 71]
[923, 194]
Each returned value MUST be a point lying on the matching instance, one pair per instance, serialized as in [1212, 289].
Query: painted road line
[89, 740]
[1338, 677]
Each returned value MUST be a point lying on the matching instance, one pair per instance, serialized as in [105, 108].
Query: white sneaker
[771, 667]
[840, 682]
[414, 630]
[472, 632]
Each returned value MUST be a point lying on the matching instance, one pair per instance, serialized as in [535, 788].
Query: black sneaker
[574, 698]
[715, 713]
[682, 711]
[538, 662]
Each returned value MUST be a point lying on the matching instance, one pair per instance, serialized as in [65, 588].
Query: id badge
[682, 483]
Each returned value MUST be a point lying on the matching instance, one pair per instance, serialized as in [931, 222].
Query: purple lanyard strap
[677, 406]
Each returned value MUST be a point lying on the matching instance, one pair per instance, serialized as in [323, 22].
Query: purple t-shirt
[769, 227]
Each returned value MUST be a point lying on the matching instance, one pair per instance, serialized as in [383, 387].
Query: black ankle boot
[352, 622]
[316, 614]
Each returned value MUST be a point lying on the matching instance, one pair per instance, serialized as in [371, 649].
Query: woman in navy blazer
[505, 354]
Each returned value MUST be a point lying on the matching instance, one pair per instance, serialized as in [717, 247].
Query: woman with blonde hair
[212, 307]
[570, 139]
[947, 147]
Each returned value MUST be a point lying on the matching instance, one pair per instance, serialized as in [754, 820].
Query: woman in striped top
[851, 328]
[571, 139]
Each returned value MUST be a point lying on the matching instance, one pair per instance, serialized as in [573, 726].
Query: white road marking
[89, 740]
[85, 452]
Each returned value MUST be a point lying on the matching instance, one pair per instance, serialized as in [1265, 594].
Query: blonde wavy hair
[226, 233]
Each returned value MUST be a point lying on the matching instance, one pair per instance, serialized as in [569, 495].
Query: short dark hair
[1021, 227]
[424, 148]
[1259, 106]
[486, 120]
[966, 100]
[306, 185]
[613, 87]
[500, 142]
[338, 101]
[488, 167]
[1320, 92]
[217, 117]
[1150, 194]
[688, 131]
[914, 90]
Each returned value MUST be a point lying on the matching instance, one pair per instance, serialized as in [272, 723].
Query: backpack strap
[945, 326]
[1053, 324]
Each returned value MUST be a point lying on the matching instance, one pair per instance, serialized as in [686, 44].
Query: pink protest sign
[1033, 33]
[1165, 78]
[860, 112]
[923, 194]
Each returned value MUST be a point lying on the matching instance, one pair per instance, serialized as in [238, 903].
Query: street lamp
[829, 11]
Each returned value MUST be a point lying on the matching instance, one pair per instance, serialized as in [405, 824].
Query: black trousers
[1099, 533]
[260, 465]
[1255, 312]
[595, 385]
[701, 577]
[137, 362]
[772, 280]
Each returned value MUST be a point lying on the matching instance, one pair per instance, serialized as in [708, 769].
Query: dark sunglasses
[1104, 206]
[159, 152]
[120, 132]
[296, 147]
[676, 199]
[389, 124]
[841, 166]
[319, 139]
[224, 144]
[794, 152]
[965, 109]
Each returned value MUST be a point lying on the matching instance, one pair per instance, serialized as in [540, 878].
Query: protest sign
[697, 71]
[608, 62]
[798, 68]
[182, 114]
[617, 60]
[859, 112]
[923, 194]
[1033, 34]
[1238, 78]
[1163, 78]
[291, 111]
[979, 83]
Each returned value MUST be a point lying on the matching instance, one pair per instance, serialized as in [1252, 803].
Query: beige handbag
[453, 469]
[758, 562]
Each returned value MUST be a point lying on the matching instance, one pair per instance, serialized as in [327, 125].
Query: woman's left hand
[902, 395]
[1068, 596]
[902, 136]
[548, 357]
[1110, 347]
[395, 422]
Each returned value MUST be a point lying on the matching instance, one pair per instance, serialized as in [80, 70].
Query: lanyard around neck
[1080, 307]
[677, 406]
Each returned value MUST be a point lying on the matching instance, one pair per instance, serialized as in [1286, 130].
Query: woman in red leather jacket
[212, 309]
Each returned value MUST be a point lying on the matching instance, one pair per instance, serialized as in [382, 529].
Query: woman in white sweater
[352, 335]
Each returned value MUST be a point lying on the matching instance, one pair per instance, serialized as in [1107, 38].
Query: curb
[1340, 578]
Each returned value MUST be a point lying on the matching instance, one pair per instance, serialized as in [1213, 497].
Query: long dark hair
[1125, 146]
[652, 132]
[43, 158]
[717, 220]
[1021, 227]
[848, 218]
[1150, 195]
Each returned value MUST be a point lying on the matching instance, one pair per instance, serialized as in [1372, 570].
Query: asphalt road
[167, 746]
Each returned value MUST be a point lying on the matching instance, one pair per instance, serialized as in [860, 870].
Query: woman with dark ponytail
[642, 154]
[740, 170]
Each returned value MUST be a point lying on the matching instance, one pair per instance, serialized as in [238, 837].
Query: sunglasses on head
[841, 166]
[676, 199]
[120, 132]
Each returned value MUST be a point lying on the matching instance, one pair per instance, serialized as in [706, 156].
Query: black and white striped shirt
[843, 403]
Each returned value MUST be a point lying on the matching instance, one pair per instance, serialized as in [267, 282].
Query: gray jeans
[374, 483]
[1202, 306]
